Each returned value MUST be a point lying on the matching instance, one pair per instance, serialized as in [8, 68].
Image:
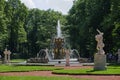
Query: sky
[57, 5]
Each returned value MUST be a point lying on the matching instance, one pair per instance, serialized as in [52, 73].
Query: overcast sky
[58, 5]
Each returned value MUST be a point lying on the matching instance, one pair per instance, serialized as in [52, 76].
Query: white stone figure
[37, 55]
[46, 50]
[7, 56]
[8, 52]
[100, 44]
[5, 53]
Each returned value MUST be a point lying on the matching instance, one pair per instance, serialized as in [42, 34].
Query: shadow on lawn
[95, 70]
[114, 64]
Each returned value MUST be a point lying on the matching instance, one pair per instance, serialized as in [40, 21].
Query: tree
[16, 13]
[3, 26]
[115, 20]
[84, 18]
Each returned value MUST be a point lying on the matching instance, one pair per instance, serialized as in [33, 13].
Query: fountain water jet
[58, 29]
[58, 44]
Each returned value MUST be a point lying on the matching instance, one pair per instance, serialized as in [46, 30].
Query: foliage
[85, 17]
[3, 28]
[26, 31]
[16, 13]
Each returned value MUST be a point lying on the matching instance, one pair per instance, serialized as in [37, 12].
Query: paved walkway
[49, 73]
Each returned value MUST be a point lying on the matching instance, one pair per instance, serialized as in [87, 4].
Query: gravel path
[49, 73]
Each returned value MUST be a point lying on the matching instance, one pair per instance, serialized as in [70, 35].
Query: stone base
[37, 60]
[67, 65]
[118, 58]
[67, 62]
[99, 62]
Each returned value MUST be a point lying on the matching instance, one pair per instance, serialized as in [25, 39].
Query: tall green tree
[76, 20]
[84, 18]
[3, 26]
[16, 13]
[115, 20]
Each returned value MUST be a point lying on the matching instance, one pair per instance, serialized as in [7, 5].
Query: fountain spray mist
[58, 29]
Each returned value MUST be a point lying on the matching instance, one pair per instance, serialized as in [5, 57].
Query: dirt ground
[49, 73]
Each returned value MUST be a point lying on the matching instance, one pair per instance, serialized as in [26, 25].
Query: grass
[17, 60]
[5, 68]
[111, 70]
[37, 78]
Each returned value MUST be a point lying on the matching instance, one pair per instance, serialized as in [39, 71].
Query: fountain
[40, 58]
[57, 52]
[58, 44]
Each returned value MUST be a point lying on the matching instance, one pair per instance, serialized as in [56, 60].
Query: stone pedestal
[5, 58]
[118, 55]
[67, 58]
[99, 62]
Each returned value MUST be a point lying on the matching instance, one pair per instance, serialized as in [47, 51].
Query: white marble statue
[100, 44]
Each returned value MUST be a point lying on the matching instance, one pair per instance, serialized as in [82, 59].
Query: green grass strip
[37, 78]
[112, 70]
[17, 60]
[4, 68]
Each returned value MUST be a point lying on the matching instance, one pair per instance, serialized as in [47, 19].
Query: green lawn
[110, 70]
[37, 78]
[17, 60]
[5, 68]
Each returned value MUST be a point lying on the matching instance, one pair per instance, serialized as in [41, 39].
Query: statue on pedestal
[100, 44]
[67, 51]
[7, 56]
[100, 57]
